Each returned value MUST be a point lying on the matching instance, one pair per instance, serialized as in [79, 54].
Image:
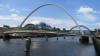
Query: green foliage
[9, 29]
[14, 28]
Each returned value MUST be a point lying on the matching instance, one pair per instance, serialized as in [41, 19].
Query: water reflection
[27, 54]
[35, 45]
[70, 46]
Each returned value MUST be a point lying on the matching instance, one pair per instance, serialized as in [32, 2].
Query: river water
[70, 46]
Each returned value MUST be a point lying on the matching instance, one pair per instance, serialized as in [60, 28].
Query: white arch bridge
[84, 32]
[20, 32]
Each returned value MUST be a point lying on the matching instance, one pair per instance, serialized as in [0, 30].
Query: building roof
[36, 22]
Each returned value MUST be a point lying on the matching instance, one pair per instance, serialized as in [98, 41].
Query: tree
[58, 29]
[6, 26]
[54, 29]
[64, 30]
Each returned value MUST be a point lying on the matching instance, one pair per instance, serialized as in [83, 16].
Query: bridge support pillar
[64, 37]
[84, 39]
[4, 38]
[72, 37]
[46, 38]
[57, 37]
[27, 45]
[22, 37]
[35, 36]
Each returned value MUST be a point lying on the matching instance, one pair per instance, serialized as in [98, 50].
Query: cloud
[86, 13]
[54, 21]
[14, 17]
[25, 9]
[94, 24]
[12, 25]
[87, 17]
[6, 7]
[14, 10]
[51, 21]
[57, 22]
[1, 5]
[72, 23]
[17, 11]
[85, 9]
[98, 24]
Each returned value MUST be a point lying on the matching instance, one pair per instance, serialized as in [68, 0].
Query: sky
[85, 12]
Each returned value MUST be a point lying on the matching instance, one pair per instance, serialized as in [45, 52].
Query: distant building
[78, 32]
[6, 26]
[37, 25]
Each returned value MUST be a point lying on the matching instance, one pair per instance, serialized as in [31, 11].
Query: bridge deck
[38, 32]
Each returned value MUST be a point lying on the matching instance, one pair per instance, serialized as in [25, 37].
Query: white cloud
[85, 13]
[94, 24]
[85, 9]
[1, 5]
[98, 24]
[51, 21]
[48, 20]
[13, 25]
[35, 22]
[17, 11]
[25, 9]
[88, 17]
[72, 23]
[14, 17]
[12, 10]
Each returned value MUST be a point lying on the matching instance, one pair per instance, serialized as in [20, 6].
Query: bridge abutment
[84, 39]
[96, 42]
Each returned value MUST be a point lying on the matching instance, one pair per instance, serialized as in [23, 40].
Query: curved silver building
[37, 25]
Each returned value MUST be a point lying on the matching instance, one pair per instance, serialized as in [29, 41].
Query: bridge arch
[80, 26]
[53, 5]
